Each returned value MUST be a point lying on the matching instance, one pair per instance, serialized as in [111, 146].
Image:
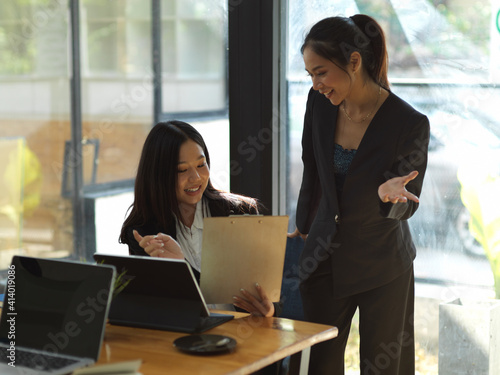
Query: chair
[290, 294]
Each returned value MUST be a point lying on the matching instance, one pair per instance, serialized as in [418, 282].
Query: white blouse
[190, 239]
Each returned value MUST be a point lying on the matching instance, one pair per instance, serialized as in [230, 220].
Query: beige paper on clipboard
[239, 251]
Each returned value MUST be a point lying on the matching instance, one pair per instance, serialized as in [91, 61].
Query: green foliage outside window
[480, 196]
[470, 18]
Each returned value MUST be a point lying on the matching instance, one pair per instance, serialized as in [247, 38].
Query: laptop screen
[158, 281]
[56, 306]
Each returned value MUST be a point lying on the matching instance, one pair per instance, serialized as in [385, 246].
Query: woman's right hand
[296, 233]
[160, 245]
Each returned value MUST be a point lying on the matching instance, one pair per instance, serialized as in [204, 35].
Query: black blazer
[369, 241]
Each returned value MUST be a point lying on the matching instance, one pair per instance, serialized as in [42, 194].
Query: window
[117, 109]
[34, 125]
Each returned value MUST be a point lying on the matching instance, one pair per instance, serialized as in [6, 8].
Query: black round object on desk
[205, 344]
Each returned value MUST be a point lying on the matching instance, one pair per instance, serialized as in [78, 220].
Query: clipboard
[239, 251]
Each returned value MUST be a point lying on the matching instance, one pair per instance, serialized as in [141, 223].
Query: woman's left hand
[259, 306]
[394, 190]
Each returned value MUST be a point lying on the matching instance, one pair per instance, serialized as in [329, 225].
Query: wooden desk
[260, 342]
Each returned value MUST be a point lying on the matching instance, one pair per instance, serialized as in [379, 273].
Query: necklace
[369, 113]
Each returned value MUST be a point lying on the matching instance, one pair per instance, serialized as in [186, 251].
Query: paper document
[239, 251]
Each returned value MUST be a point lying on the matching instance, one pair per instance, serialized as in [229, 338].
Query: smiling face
[192, 173]
[327, 78]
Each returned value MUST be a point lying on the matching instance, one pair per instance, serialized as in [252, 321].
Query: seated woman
[173, 194]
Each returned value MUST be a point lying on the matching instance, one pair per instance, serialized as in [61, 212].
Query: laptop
[53, 316]
[161, 294]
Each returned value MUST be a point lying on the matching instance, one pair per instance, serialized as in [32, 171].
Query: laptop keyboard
[212, 321]
[39, 361]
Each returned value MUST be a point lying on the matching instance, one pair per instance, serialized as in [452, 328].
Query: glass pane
[169, 55]
[99, 9]
[138, 47]
[442, 61]
[454, 34]
[12, 155]
[168, 8]
[193, 58]
[200, 9]
[10, 11]
[201, 52]
[28, 28]
[51, 44]
[35, 219]
[17, 57]
[102, 47]
[116, 90]
[138, 9]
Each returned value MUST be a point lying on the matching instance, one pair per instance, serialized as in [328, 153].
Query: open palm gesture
[394, 190]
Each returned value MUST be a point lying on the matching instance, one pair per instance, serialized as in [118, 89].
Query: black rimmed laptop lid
[57, 306]
[160, 294]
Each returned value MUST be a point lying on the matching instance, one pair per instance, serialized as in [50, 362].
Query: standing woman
[173, 194]
[364, 155]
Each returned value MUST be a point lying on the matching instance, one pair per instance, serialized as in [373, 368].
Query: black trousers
[386, 331]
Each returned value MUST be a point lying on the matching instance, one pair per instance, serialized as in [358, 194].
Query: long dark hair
[336, 38]
[155, 199]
